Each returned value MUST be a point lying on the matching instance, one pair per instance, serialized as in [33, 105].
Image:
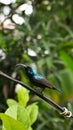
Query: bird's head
[30, 71]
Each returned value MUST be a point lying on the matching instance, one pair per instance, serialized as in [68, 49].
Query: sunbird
[37, 79]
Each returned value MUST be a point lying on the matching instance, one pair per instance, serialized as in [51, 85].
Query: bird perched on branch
[37, 79]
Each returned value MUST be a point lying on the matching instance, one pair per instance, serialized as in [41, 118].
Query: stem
[48, 100]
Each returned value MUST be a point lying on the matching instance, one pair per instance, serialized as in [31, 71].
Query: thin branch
[48, 100]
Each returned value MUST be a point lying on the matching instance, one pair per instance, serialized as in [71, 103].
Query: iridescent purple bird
[37, 79]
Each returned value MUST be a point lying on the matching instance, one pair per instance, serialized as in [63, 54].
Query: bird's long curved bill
[20, 65]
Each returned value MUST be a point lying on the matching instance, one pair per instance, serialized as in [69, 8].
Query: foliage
[48, 33]
[17, 116]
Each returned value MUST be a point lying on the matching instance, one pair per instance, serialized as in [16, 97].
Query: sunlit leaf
[12, 111]
[33, 112]
[11, 102]
[23, 96]
[23, 116]
[11, 124]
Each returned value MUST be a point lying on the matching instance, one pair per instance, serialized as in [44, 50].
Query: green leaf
[20, 113]
[23, 116]
[33, 112]
[11, 102]
[23, 96]
[12, 111]
[11, 124]
[67, 60]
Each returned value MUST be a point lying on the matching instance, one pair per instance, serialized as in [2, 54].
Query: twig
[62, 110]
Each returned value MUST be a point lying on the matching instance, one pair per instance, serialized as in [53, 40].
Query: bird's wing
[43, 83]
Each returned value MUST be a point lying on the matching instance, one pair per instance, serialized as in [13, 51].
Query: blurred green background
[38, 33]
